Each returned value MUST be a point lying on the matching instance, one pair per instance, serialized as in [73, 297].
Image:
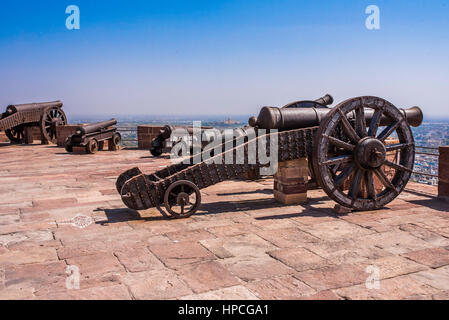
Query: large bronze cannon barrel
[295, 118]
[11, 109]
[320, 103]
[94, 127]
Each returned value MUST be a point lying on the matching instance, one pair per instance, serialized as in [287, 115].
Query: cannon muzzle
[326, 100]
[91, 128]
[414, 116]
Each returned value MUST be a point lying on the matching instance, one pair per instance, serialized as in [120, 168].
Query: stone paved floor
[241, 245]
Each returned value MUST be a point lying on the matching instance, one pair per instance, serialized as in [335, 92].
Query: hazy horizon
[222, 57]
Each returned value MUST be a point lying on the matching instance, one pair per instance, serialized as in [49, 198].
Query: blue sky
[222, 57]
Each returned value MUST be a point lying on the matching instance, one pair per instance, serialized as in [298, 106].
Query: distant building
[229, 121]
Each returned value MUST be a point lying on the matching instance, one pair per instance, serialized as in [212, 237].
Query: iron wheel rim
[182, 190]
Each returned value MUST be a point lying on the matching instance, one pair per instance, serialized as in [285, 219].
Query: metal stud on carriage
[346, 144]
[18, 120]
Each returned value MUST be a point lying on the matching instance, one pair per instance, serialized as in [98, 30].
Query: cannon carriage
[18, 120]
[347, 145]
[91, 137]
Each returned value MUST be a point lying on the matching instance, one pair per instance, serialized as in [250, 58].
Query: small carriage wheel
[347, 148]
[16, 135]
[92, 146]
[68, 146]
[116, 139]
[156, 152]
[51, 118]
[178, 199]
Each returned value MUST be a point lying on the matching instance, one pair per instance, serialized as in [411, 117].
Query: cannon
[91, 137]
[18, 120]
[346, 144]
[159, 144]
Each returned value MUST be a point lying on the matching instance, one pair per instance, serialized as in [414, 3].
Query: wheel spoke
[398, 146]
[339, 160]
[341, 144]
[336, 168]
[369, 181]
[388, 131]
[384, 179]
[397, 166]
[355, 185]
[182, 208]
[375, 122]
[360, 122]
[346, 172]
[347, 127]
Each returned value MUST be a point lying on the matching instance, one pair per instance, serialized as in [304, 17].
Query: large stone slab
[280, 288]
[207, 276]
[177, 255]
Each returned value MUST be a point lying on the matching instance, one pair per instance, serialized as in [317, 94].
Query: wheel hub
[182, 199]
[370, 153]
[54, 123]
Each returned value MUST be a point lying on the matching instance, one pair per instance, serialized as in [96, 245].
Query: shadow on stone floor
[166, 157]
[223, 207]
[433, 204]
[7, 144]
[308, 212]
[260, 204]
[420, 193]
[264, 191]
[125, 215]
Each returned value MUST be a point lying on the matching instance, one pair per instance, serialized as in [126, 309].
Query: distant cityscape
[431, 134]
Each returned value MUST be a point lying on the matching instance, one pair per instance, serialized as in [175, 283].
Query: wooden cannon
[346, 144]
[91, 137]
[19, 120]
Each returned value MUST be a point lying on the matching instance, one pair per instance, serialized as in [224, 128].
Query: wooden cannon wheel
[156, 152]
[92, 146]
[362, 154]
[16, 135]
[68, 146]
[116, 139]
[51, 118]
[178, 199]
